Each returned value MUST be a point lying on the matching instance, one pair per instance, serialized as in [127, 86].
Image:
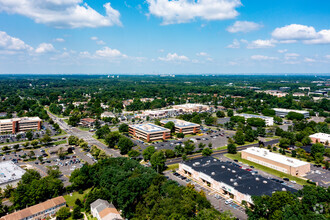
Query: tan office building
[149, 132]
[182, 126]
[276, 161]
[189, 108]
[24, 124]
[40, 211]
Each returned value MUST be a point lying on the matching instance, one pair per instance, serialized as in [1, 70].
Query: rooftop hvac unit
[213, 173]
[235, 184]
[264, 181]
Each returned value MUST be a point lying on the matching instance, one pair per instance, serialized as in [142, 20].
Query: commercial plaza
[268, 120]
[184, 127]
[281, 112]
[15, 125]
[149, 132]
[230, 180]
[276, 161]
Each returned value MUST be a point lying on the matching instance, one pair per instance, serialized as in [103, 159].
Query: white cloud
[110, 53]
[327, 56]
[44, 48]
[235, 44]
[59, 40]
[174, 57]
[94, 38]
[307, 34]
[262, 57]
[100, 42]
[309, 60]
[291, 56]
[282, 51]
[202, 54]
[12, 43]
[261, 44]
[62, 13]
[244, 26]
[183, 11]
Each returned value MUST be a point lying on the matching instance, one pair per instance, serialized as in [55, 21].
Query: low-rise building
[229, 180]
[276, 161]
[23, 124]
[103, 210]
[282, 112]
[42, 210]
[268, 120]
[149, 132]
[275, 93]
[189, 108]
[108, 115]
[87, 122]
[10, 173]
[182, 126]
[320, 138]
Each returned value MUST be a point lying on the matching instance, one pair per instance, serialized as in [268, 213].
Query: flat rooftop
[9, 172]
[149, 128]
[242, 180]
[290, 110]
[254, 116]
[4, 121]
[265, 153]
[321, 136]
[180, 123]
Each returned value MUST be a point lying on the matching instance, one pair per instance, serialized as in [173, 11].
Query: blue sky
[162, 36]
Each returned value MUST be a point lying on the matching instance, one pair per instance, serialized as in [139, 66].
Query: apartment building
[320, 138]
[149, 132]
[268, 120]
[281, 112]
[276, 161]
[229, 180]
[103, 210]
[182, 126]
[42, 210]
[24, 124]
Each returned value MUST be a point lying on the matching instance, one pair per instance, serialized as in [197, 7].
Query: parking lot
[217, 139]
[319, 175]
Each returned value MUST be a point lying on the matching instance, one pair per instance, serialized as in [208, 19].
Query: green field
[100, 140]
[60, 142]
[71, 199]
[173, 166]
[266, 169]
[221, 148]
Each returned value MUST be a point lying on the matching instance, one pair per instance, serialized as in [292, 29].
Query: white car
[228, 201]
[292, 181]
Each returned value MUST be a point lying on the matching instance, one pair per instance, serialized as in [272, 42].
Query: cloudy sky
[164, 36]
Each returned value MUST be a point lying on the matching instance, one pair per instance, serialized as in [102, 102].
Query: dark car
[286, 179]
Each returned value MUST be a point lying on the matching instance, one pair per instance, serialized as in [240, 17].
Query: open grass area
[70, 200]
[173, 166]
[62, 133]
[60, 142]
[100, 140]
[83, 128]
[221, 148]
[266, 169]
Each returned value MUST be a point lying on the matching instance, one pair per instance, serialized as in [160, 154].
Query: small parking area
[319, 175]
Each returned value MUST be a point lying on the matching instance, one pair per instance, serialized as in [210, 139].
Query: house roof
[34, 209]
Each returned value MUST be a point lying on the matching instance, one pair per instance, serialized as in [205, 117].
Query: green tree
[220, 114]
[76, 213]
[239, 137]
[232, 148]
[102, 132]
[157, 161]
[170, 125]
[73, 140]
[188, 147]
[133, 154]
[123, 128]
[148, 152]
[284, 142]
[317, 148]
[230, 112]
[207, 152]
[180, 135]
[256, 122]
[278, 120]
[169, 153]
[306, 141]
[63, 213]
[201, 146]
[125, 144]
[295, 116]
[29, 135]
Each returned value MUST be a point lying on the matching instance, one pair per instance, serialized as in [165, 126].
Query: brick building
[184, 127]
[24, 124]
[149, 132]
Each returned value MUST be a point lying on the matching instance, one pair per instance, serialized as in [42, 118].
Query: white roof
[3, 121]
[149, 127]
[254, 116]
[264, 153]
[290, 110]
[10, 172]
[321, 136]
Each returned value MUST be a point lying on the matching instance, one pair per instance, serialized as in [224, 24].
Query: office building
[108, 115]
[281, 112]
[268, 120]
[276, 161]
[42, 210]
[320, 138]
[229, 180]
[189, 108]
[103, 210]
[10, 173]
[149, 132]
[24, 124]
[87, 122]
[184, 127]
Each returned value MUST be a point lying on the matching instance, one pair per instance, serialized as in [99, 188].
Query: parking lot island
[276, 161]
[229, 179]
[149, 132]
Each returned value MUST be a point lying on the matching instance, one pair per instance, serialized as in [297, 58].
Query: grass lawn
[266, 169]
[71, 199]
[62, 133]
[100, 140]
[83, 129]
[60, 142]
[221, 148]
[173, 166]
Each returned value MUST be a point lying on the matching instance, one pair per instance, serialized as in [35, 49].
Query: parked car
[228, 201]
